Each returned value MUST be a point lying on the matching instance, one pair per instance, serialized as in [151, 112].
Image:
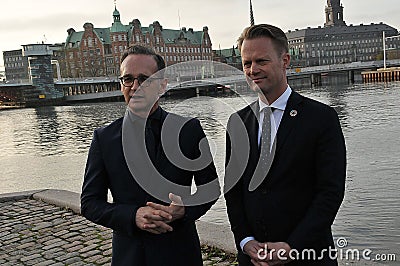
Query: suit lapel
[161, 160]
[253, 126]
[251, 123]
[289, 118]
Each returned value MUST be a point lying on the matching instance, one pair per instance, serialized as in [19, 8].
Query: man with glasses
[148, 228]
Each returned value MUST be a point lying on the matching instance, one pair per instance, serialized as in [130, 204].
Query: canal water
[47, 148]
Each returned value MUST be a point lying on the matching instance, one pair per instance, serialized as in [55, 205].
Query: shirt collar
[156, 115]
[279, 103]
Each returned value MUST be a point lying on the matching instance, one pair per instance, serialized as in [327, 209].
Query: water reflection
[48, 130]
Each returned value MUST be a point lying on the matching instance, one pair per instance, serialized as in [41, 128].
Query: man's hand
[278, 253]
[175, 210]
[255, 250]
[267, 254]
[152, 220]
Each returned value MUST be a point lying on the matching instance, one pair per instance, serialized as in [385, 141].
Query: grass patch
[217, 255]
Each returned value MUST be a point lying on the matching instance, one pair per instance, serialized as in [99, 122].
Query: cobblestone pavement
[33, 232]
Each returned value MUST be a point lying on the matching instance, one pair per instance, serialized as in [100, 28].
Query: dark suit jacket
[106, 169]
[300, 196]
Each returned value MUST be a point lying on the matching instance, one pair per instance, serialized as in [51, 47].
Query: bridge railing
[87, 80]
[338, 67]
[17, 81]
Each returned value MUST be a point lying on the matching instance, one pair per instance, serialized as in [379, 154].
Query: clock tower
[334, 14]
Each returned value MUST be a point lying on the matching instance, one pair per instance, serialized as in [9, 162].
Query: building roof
[228, 52]
[74, 38]
[104, 34]
[116, 12]
[12, 52]
[231, 55]
[169, 35]
[341, 30]
[117, 26]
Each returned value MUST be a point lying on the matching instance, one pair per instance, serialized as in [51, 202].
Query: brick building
[230, 56]
[97, 51]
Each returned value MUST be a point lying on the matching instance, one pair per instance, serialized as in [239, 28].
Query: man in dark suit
[284, 191]
[151, 220]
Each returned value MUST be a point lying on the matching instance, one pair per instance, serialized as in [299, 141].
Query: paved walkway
[45, 228]
[36, 233]
[33, 232]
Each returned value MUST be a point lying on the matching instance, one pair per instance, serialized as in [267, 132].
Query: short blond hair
[277, 36]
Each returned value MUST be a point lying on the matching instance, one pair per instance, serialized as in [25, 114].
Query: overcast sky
[28, 21]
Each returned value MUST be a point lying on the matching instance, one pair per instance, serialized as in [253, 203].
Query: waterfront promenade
[44, 227]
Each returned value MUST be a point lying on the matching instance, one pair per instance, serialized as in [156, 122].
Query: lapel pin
[293, 113]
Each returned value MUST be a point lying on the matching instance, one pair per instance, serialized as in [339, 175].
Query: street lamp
[384, 50]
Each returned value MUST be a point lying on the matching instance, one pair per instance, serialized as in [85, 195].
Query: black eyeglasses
[143, 80]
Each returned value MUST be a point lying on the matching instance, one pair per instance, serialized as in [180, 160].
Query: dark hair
[139, 49]
[278, 37]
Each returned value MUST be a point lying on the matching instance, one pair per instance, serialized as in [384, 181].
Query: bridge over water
[315, 73]
[96, 88]
[83, 89]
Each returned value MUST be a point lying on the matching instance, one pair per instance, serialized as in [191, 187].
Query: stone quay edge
[60, 248]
